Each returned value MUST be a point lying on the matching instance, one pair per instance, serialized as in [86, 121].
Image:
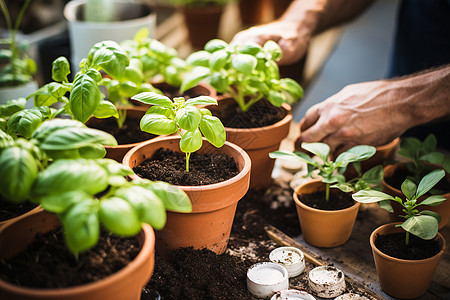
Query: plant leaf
[59, 203]
[194, 77]
[409, 189]
[213, 130]
[106, 109]
[25, 122]
[188, 118]
[191, 141]
[431, 213]
[84, 98]
[320, 149]
[244, 63]
[354, 154]
[152, 98]
[386, 205]
[111, 58]
[423, 226]
[119, 216]
[201, 100]
[433, 200]
[158, 124]
[199, 59]
[429, 181]
[60, 69]
[174, 199]
[371, 196]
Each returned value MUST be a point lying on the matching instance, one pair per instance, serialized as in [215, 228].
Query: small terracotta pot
[442, 209]
[33, 211]
[117, 152]
[254, 12]
[213, 206]
[402, 278]
[324, 228]
[202, 23]
[258, 143]
[125, 284]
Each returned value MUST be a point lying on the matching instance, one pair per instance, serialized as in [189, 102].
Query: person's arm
[303, 18]
[376, 112]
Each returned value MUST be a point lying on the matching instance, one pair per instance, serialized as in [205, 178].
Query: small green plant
[248, 73]
[422, 156]
[332, 171]
[423, 224]
[166, 117]
[17, 67]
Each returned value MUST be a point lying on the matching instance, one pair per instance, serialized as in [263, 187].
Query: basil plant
[423, 224]
[181, 116]
[332, 172]
[248, 73]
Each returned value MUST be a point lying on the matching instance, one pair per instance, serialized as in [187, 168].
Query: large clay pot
[117, 152]
[213, 206]
[33, 211]
[202, 23]
[125, 284]
[324, 228]
[402, 278]
[258, 143]
[442, 209]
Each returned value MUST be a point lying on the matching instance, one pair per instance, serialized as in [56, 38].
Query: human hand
[284, 33]
[360, 114]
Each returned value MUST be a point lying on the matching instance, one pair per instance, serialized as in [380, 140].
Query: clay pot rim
[306, 207]
[399, 260]
[391, 144]
[287, 119]
[147, 248]
[14, 219]
[245, 170]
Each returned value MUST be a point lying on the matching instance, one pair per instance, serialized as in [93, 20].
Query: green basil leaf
[273, 49]
[152, 98]
[215, 45]
[119, 217]
[292, 87]
[244, 63]
[11, 107]
[111, 58]
[409, 189]
[431, 213]
[188, 118]
[429, 181]
[386, 205]
[81, 226]
[106, 109]
[423, 226]
[18, 173]
[59, 203]
[191, 141]
[433, 158]
[114, 168]
[275, 98]
[50, 126]
[60, 69]
[219, 82]
[158, 124]
[371, 196]
[433, 200]
[161, 111]
[374, 175]
[354, 154]
[251, 48]
[218, 60]
[49, 94]
[25, 122]
[5, 140]
[84, 98]
[92, 151]
[296, 156]
[320, 149]
[429, 144]
[134, 72]
[193, 78]
[201, 100]
[409, 147]
[199, 59]
[174, 199]
[213, 130]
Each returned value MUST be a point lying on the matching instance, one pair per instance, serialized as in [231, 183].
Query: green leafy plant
[167, 117]
[248, 73]
[17, 67]
[85, 193]
[332, 171]
[86, 99]
[422, 156]
[423, 224]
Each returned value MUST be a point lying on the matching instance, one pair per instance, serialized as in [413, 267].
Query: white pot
[266, 278]
[83, 35]
[289, 257]
[326, 281]
[292, 295]
[21, 91]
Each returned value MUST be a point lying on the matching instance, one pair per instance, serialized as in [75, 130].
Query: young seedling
[422, 156]
[248, 73]
[330, 171]
[166, 117]
[423, 224]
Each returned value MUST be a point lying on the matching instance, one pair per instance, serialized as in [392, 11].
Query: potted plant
[214, 204]
[86, 102]
[16, 67]
[418, 158]
[256, 114]
[202, 19]
[81, 194]
[93, 21]
[327, 215]
[406, 267]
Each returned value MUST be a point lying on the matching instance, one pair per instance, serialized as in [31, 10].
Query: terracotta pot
[124, 284]
[442, 209]
[213, 206]
[324, 228]
[33, 211]
[202, 23]
[402, 278]
[258, 143]
[254, 12]
[117, 152]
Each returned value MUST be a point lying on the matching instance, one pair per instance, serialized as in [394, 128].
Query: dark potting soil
[169, 166]
[129, 133]
[9, 210]
[394, 245]
[47, 263]
[261, 114]
[337, 200]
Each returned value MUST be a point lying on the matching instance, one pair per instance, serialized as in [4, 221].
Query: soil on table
[9, 210]
[337, 201]
[129, 133]
[261, 114]
[48, 263]
[394, 245]
[170, 166]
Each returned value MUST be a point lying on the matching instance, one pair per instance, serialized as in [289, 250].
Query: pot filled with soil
[392, 180]
[38, 265]
[405, 271]
[325, 223]
[127, 136]
[10, 212]
[258, 131]
[214, 197]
